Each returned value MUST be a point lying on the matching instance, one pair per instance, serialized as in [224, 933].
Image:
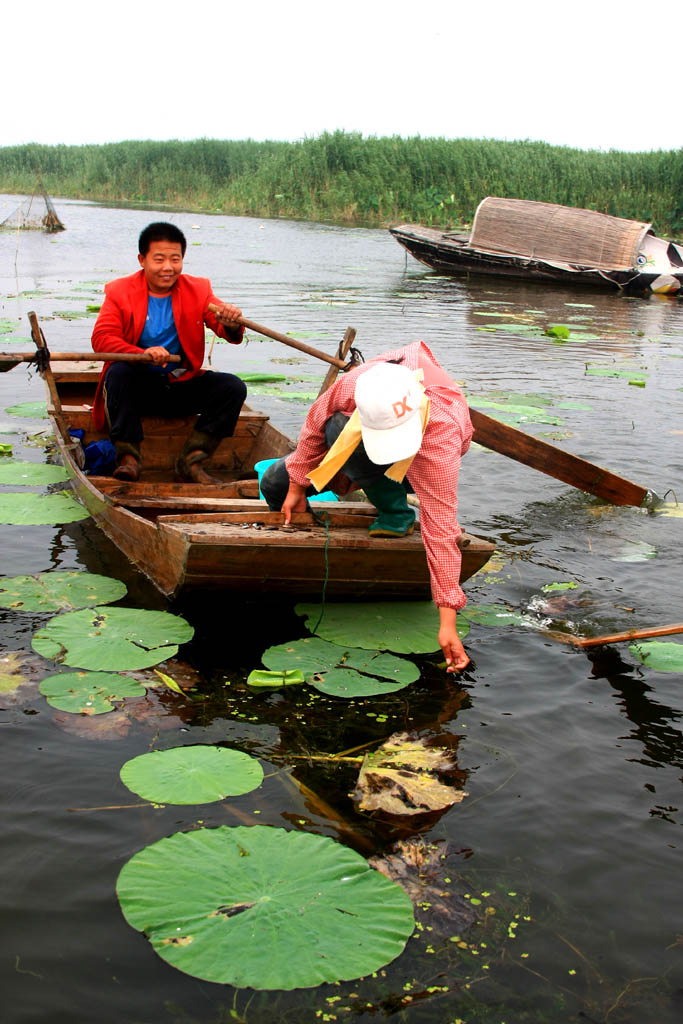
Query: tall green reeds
[346, 178]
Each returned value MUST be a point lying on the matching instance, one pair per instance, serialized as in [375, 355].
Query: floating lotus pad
[492, 615]
[405, 627]
[262, 678]
[35, 410]
[31, 473]
[26, 508]
[88, 693]
[55, 591]
[191, 775]
[660, 655]
[342, 671]
[113, 639]
[259, 907]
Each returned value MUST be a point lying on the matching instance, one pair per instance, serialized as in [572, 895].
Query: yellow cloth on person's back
[346, 444]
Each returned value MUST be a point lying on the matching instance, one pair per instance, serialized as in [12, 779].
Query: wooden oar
[549, 459]
[618, 638]
[83, 357]
[267, 332]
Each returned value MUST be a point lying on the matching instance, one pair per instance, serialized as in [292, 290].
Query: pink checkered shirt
[433, 474]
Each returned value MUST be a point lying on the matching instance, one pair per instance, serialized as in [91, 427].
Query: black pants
[132, 391]
[358, 467]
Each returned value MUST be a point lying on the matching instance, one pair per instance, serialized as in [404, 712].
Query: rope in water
[320, 518]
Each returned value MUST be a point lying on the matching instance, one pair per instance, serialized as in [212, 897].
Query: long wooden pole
[548, 458]
[629, 634]
[285, 339]
[84, 357]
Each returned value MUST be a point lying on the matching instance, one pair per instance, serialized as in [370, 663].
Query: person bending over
[163, 311]
[395, 423]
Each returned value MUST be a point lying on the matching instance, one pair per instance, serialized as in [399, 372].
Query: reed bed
[344, 177]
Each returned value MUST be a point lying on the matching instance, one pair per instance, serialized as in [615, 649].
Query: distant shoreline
[346, 179]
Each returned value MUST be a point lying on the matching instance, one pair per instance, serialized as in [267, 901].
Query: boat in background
[546, 242]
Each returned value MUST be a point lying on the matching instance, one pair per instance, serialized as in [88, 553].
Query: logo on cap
[401, 408]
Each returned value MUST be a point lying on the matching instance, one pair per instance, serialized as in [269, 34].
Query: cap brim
[384, 447]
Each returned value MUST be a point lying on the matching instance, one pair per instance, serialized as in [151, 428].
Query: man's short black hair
[160, 231]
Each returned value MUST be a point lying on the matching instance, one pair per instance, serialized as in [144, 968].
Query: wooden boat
[545, 242]
[186, 536]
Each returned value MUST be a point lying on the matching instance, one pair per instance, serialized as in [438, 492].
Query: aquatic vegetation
[400, 779]
[264, 908]
[344, 177]
[27, 508]
[342, 671]
[404, 627]
[89, 693]
[492, 615]
[112, 638]
[191, 775]
[659, 655]
[273, 680]
[31, 474]
[34, 410]
[58, 591]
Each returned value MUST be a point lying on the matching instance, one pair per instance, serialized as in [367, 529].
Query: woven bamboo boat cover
[557, 234]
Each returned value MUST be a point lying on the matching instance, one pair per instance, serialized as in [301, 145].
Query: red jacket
[121, 321]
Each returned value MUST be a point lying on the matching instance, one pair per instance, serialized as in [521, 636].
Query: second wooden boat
[517, 238]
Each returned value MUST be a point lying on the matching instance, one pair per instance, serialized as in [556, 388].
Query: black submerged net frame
[34, 214]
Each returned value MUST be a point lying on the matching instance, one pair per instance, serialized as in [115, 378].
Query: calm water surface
[572, 762]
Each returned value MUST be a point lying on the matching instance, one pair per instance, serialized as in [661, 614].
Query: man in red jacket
[163, 311]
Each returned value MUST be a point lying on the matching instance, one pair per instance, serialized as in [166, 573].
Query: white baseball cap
[388, 398]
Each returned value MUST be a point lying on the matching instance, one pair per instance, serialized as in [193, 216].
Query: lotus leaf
[26, 508]
[398, 779]
[611, 371]
[112, 639]
[260, 907]
[405, 627]
[88, 693]
[31, 473]
[519, 413]
[36, 410]
[58, 591]
[342, 671]
[660, 655]
[558, 331]
[262, 678]
[492, 615]
[10, 675]
[549, 588]
[191, 775]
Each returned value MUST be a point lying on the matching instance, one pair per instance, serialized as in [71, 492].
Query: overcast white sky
[589, 73]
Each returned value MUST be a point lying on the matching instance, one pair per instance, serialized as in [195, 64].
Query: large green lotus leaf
[342, 671]
[88, 693]
[35, 410]
[112, 639]
[660, 655]
[492, 615]
[26, 508]
[58, 591]
[191, 775]
[346, 682]
[519, 413]
[259, 907]
[31, 473]
[405, 627]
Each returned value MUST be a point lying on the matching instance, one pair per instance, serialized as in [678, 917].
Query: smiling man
[163, 311]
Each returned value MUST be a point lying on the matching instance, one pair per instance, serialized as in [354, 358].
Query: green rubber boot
[395, 518]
